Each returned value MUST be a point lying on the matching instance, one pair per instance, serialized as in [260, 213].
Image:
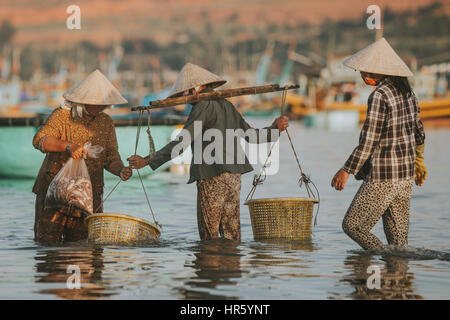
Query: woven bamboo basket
[281, 218]
[113, 228]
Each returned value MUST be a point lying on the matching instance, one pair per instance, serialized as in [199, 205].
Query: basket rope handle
[106, 198]
[152, 151]
[304, 179]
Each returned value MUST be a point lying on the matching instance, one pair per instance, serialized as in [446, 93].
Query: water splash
[411, 253]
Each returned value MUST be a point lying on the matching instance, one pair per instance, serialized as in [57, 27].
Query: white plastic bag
[72, 185]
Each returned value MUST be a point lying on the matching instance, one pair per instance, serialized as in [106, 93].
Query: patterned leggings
[389, 200]
[218, 207]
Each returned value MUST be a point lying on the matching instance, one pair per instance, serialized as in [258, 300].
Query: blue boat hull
[19, 159]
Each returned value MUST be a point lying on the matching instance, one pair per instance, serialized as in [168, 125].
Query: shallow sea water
[179, 266]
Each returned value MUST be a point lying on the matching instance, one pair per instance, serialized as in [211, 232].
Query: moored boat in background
[19, 159]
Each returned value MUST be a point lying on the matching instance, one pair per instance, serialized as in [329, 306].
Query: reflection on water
[52, 267]
[396, 281]
[277, 252]
[216, 263]
[179, 266]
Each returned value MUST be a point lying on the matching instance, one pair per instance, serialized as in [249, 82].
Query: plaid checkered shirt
[388, 136]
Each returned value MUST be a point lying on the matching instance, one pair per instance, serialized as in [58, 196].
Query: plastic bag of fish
[72, 186]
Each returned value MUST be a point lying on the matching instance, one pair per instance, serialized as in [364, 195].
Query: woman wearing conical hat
[78, 120]
[389, 155]
[219, 180]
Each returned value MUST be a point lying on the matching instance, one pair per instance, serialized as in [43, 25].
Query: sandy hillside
[44, 22]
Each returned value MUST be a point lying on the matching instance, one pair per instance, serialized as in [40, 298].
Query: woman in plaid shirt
[389, 154]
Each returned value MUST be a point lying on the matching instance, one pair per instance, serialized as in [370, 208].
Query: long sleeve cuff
[347, 169]
[153, 164]
[163, 155]
[352, 165]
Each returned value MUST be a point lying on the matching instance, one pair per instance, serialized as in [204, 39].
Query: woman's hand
[281, 123]
[137, 162]
[77, 151]
[339, 180]
[125, 173]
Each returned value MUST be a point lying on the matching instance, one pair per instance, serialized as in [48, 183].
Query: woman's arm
[370, 133]
[368, 140]
[48, 137]
[117, 168]
[114, 163]
[202, 112]
[52, 144]
[138, 162]
[419, 132]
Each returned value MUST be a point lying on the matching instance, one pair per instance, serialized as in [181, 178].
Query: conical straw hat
[379, 58]
[96, 89]
[192, 76]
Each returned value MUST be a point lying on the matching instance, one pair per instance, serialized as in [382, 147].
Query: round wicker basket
[281, 218]
[113, 228]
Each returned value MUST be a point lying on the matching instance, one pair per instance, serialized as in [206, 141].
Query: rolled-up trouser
[387, 199]
[58, 225]
[218, 206]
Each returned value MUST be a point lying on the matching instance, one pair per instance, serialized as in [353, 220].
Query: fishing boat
[259, 108]
[19, 159]
[431, 111]
[345, 104]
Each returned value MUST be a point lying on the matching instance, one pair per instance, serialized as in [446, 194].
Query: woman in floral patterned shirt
[78, 120]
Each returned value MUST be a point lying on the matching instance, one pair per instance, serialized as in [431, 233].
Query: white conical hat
[379, 58]
[192, 76]
[96, 89]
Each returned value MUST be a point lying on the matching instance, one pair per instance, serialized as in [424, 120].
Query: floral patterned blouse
[99, 131]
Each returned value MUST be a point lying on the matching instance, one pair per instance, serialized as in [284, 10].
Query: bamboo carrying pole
[215, 95]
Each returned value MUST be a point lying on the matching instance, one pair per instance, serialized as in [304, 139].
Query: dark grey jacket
[220, 115]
